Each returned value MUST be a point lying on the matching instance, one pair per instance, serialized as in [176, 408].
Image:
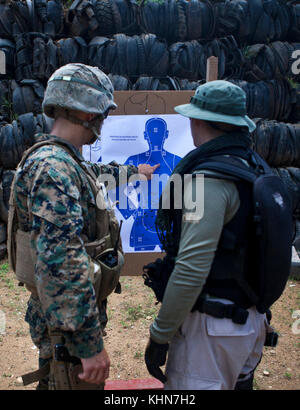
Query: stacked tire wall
[154, 45]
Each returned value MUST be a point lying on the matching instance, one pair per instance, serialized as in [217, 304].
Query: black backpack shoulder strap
[229, 168]
[233, 168]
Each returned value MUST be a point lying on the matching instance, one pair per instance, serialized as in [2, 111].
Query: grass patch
[138, 354]
[288, 375]
[135, 313]
[4, 269]
[4, 276]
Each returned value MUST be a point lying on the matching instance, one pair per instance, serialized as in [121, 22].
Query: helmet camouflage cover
[79, 87]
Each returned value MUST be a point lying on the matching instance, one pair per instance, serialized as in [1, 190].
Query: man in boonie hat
[207, 325]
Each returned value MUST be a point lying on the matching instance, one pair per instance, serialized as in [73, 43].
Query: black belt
[221, 311]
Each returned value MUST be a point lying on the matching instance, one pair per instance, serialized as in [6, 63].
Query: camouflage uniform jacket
[56, 204]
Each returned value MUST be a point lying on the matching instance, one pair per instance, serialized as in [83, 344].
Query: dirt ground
[130, 315]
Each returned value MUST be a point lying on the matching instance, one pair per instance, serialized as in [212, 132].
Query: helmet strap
[92, 125]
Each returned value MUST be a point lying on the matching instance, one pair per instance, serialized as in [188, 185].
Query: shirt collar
[42, 137]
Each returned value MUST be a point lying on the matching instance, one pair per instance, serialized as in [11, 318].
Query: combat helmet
[82, 88]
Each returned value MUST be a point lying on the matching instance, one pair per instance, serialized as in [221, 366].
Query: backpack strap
[227, 168]
[232, 168]
[43, 143]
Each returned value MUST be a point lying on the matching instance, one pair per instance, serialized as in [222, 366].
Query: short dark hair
[223, 126]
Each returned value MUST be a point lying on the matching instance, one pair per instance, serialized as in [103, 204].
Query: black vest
[232, 264]
[232, 260]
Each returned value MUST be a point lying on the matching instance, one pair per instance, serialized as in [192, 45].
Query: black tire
[120, 82]
[181, 22]
[15, 138]
[7, 147]
[27, 97]
[294, 32]
[104, 15]
[3, 208]
[32, 57]
[98, 50]
[278, 143]
[3, 251]
[121, 46]
[157, 56]
[72, 50]
[6, 19]
[5, 100]
[7, 179]
[186, 60]
[55, 14]
[117, 19]
[3, 234]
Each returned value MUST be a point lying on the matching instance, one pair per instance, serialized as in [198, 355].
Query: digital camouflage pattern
[95, 98]
[54, 202]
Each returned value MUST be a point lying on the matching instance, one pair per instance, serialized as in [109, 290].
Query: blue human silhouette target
[142, 206]
[140, 139]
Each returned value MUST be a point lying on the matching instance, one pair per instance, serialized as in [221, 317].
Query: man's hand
[155, 356]
[147, 170]
[96, 368]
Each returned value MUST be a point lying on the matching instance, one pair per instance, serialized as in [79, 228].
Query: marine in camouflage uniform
[62, 206]
[54, 201]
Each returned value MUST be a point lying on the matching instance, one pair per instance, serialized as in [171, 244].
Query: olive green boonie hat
[218, 101]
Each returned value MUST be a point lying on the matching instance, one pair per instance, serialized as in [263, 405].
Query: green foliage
[134, 313]
[142, 2]
[4, 268]
[4, 276]
[138, 354]
[293, 83]
[67, 3]
[7, 107]
[246, 52]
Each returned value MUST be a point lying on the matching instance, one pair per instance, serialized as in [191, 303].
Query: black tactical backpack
[273, 225]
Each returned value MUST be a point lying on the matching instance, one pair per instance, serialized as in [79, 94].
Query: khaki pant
[209, 353]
